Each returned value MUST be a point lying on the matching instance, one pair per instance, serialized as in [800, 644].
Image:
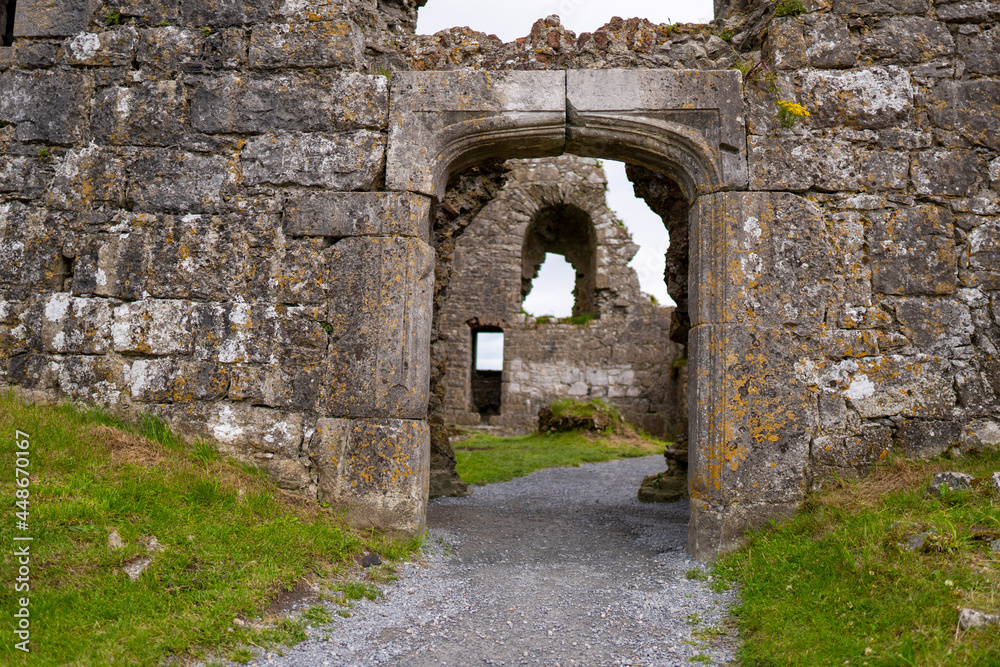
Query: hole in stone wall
[567, 231]
[63, 277]
[551, 290]
[7, 10]
[487, 371]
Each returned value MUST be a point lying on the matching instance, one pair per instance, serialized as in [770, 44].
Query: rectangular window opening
[487, 372]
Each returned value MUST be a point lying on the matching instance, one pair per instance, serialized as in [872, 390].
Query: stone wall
[204, 215]
[624, 355]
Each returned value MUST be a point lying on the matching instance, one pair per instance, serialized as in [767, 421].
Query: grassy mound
[841, 584]
[228, 543]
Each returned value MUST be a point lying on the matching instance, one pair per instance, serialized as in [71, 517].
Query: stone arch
[686, 125]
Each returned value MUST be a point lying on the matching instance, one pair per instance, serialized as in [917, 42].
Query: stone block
[926, 439]
[242, 333]
[760, 258]
[341, 214]
[290, 102]
[948, 173]
[981, 51]
[74, 325]
[154, 327]
[788, 163]
[94, 379]
[314, 44]
[855, 453]
[877, 7]
[872, 98]
[86, 178]
[752, 416]
[53, 18]
[226, 13]
[176, 181]
[883, 170]
[980, 435]
[983, 256]
[376, 469]
[913, 251]
[344, 161]
[30, 253]
[170, 380]
[239, 427]
[380, 319]
[171, 49]
[114, 48]
[434, 132]
[974, 11]
[15, 173]
[812, 40]
[907, 40]
[969, 107]
[896, 385]
[153, 12]
[707, 107]
[149, 114]
[48, 107]
[296, 387]
[935, 327]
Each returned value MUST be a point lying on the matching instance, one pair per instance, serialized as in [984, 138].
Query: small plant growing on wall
[113, 17]
[789, 113]
[790, 8]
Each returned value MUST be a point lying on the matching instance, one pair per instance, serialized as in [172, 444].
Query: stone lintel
[344, 214]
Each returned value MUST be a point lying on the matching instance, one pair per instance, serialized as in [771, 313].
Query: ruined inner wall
[623, 355]
[195, 222]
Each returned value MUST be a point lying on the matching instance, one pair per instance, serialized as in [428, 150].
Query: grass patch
[485, 459]
[836, 584]
[231, 543]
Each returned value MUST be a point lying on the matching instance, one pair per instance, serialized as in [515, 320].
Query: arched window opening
[567, 231]
[487, 371]
[7, 8]
[551, 292]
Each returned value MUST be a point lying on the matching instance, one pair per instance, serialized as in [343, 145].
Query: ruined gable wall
[183, 212]
[624, 356]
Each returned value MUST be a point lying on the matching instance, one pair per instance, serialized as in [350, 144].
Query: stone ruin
[622, 355]
[243, 216]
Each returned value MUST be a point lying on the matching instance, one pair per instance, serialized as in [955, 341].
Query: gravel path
[562, 567]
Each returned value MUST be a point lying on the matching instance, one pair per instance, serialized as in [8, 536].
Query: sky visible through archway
[552, 290]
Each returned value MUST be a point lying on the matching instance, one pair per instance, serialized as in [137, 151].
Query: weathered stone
[969, 106]
[77, 326]
[871, 98]
[784, 164]
[981, 434]
[94, 379]
[920, 438]
[289, 386]
[935, 326]
[968, 11]
[862, 7]
[114, 48]
[64, 96]
[897, 385]
[663, 488]
[340, 214]
[380, 318]
[290, 102]
[322, 44]
[951, 481]
[857, 453]
[907, 40]
[168, 180]
[30, 254]
[983, 259]
[376, 469]
[344, 161]
[913, 251]
[945, 173]
[982, 51]
[174, 49]
[883, 170]
[87, 178]
[146, 115]
[995, 485]
[969, 619]
[753, 235]
[53, 18]
[171, 381]
[810, 41]
[155, 328]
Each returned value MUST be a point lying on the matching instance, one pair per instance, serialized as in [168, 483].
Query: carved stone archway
[687, 125]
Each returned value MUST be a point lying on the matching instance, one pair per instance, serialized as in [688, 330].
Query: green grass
[232, 542]
[835, 586]
[484, 459]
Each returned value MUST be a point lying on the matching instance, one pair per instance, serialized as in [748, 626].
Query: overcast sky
[510, 19]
